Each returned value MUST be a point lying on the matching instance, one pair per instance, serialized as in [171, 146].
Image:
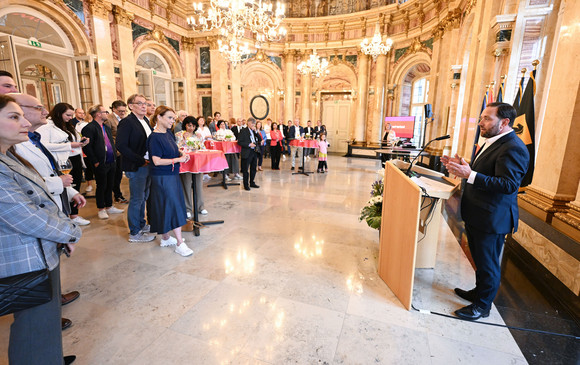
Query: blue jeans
[139, 183]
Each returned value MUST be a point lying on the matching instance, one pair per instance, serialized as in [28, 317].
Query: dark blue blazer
[490, 203]
[292, 132]
[95, 150]
[132, 142]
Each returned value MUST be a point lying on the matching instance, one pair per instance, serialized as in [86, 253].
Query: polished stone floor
[290, 278]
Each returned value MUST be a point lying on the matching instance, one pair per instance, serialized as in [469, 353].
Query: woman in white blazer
[60, 137]
[29, 216]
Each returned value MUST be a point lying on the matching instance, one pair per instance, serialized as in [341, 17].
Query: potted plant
[371, 213]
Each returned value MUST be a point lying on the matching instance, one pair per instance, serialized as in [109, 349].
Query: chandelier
[233, 17]
[314, 66]
[376, 47]
[233, 51]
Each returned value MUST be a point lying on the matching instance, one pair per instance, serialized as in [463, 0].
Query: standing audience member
[79, 116]
[237, 128]
[29, 220]
[286, 131]
[79, 122]
[309, 133]
[232, 158]
[213, 125]
[187, 131]
[249, 140]
[296, 132]
[322, 153]
[37, 155]
[7, 84]
[275, 146]
[150, 110]
[101, 155]
[262, 147]
[319, 129]
[118, 108]
[167, 203]
[202, 132]
[64, 142]
[267, 129]
[132, 134]
[181, 115]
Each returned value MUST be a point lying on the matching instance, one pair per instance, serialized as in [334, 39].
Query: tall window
[419, 97]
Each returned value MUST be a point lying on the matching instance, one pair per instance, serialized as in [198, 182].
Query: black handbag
[26, 290]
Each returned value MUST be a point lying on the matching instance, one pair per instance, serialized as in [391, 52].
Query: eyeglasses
[140, 103]
[36, 107]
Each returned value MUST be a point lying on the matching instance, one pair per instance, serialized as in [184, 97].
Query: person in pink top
[322, 153]
[276, 139]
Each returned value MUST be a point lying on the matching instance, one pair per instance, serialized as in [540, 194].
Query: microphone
[409, 172]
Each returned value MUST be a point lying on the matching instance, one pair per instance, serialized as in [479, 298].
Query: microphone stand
[411, 173]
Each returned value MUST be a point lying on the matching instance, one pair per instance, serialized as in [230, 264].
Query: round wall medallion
[259, 107]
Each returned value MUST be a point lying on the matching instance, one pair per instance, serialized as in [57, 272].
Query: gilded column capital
[188, 43]
[213, 42]
[122, 16]
[100, 8]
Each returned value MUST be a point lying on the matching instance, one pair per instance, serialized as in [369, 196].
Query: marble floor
[290, 278]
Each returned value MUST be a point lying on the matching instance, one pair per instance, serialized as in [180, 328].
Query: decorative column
[188, 46]
[104, 50]
[374, 127]
[219, 78]
[306, 97]
[126, 56]
[363, 93]
[289, 78]
[236, 92]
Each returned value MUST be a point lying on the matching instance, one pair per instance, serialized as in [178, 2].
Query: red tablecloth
[204, 161]
[224, 146]
[306, 143]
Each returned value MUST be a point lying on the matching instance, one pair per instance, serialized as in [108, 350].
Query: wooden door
[336, 117]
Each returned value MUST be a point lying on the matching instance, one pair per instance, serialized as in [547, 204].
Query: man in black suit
[249, 139]
[309, 133]
[132, 133]
[101, 154]
[489, 204]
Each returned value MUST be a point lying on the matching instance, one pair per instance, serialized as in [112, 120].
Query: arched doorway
[27, 39]
[262, 78]
[154, 78]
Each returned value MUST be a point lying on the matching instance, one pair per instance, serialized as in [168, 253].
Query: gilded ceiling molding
[100, 8]
[122, 16]
[152, 4]
[213, 42]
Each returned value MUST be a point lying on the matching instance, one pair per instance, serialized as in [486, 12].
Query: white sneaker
[89, 189]
[188, 215]
[228, 178]
[81, 221]
[206, 177]
[183, 250]
[146, 229]
[203, 211]
[171, 241]
[283, 157]
[238, 177]
[103, 214]
[141, 237]
[113, 210]
[308, 157]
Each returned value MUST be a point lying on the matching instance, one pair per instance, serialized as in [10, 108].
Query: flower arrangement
[194, 143]
[225, 135]
[373, 209]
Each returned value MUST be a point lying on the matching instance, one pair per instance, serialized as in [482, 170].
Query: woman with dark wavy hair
[61, 138]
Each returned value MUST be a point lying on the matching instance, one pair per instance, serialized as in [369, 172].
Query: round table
[204, 161]
[224, 146]
[304, 143]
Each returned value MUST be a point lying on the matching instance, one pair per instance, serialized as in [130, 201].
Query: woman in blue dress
[167, 201]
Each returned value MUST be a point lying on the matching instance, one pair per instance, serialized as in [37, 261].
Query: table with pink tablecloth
[224, 146]
[204, 161]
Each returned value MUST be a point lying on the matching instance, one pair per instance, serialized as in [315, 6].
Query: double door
[336, 118]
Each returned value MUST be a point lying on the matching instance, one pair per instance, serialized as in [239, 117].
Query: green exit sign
[34, 43]
[154, 72]
[43, 79]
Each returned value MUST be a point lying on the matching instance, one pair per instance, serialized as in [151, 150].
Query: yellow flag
[521, 129]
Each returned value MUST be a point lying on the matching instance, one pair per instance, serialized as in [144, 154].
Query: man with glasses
[118, 108]
[101, 156]
[132, 133]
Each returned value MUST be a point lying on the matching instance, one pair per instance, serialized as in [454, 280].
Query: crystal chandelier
[233, 51]
[376, 47]
[233, 17]
[314, 66]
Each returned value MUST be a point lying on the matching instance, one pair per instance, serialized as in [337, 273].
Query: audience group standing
[42, 169]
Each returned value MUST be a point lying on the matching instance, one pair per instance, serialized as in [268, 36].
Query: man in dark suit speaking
[489, 205]
[248, 139]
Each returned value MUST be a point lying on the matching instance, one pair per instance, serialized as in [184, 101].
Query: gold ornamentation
[188, 43]
[213, 42]
[100, 9]
[122, 16]
[152, 4]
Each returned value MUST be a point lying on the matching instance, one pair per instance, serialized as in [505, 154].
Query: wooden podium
[410, 224]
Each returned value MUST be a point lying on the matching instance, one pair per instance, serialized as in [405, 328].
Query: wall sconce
[354, 94]
[280, 93]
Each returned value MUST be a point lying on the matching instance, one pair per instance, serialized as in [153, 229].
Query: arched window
[419, 97]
